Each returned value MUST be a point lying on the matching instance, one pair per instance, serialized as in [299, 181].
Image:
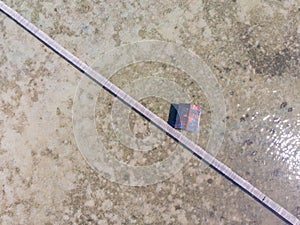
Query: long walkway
[188, 144]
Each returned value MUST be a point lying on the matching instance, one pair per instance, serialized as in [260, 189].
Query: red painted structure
[185, 116]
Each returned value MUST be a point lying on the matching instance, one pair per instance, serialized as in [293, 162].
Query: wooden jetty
[183, 140]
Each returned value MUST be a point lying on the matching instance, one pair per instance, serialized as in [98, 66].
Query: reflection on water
[284, 139]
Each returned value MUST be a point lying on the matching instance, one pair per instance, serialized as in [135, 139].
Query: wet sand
[252, 49]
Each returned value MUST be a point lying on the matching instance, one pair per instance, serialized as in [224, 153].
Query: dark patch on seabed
[271, 61]
[276, 64]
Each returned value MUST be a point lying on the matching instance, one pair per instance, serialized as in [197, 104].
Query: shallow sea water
[251, 48]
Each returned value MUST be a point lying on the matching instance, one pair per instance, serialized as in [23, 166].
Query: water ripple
[284, 141]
